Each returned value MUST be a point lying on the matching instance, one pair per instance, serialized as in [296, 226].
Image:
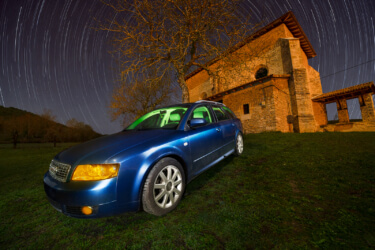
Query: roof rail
[205, 101]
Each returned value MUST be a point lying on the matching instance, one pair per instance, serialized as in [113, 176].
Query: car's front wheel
[239, 145]
[164, 187]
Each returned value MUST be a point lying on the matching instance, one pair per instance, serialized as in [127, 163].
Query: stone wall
[262, 52]
[299, 85]
[282, 101]
[367, 111]
[283, 107]
[342, 111]
[367, 107]
[301, 102]
[261, 115]
[320, 114]
[286, 105]
[315, 86]
[350, 127]
[269, 106]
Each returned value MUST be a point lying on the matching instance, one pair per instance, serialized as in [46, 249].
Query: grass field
[285, 191]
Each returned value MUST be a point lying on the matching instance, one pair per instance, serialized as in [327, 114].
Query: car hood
[101, 149]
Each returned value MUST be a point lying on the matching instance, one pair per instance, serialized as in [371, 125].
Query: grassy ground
[286, 191]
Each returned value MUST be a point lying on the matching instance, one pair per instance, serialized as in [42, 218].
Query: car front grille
[59, 171]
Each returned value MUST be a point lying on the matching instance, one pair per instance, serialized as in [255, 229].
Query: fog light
[87, 210]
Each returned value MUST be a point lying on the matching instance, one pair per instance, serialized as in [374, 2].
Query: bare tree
[48, 115]
[79, 131]
[15, 127]
[52, 130]
[133, 98]
[178, 36]
[73, 123]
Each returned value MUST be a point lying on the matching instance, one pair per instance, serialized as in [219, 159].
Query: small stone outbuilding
[364, 94]
[280, 91]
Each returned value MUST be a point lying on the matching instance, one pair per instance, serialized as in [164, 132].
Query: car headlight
[95, 172]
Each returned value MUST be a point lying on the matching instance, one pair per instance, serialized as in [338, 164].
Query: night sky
[51, 58]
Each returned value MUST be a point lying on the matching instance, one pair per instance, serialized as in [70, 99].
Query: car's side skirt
[200, 158]
[211, 164]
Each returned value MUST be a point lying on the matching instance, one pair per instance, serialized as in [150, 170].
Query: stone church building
[277, 89]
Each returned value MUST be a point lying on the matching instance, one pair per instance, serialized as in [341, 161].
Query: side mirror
[197, 122]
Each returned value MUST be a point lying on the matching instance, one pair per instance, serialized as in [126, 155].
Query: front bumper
[70, 197]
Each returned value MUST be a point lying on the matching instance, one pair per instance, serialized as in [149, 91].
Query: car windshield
[164, 118]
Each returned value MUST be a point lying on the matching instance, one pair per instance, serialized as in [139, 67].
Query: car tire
[238, 150]
[164, 187]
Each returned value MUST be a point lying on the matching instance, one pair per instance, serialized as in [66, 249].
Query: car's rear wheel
[164, 187]
[239, 145]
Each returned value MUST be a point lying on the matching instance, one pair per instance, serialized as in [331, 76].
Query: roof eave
[246, 85]
[346, 93]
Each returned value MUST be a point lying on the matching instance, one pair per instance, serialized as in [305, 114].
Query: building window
[262, 72]
[246, 109]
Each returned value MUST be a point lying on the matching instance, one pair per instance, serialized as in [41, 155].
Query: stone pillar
[342, 111]
[367, 107]
[305, 117]
[301, 103]
[320, 113]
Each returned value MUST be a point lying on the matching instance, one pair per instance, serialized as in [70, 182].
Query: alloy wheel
[168, 186]
[239, 144]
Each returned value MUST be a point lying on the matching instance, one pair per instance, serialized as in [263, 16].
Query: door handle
[218, 130]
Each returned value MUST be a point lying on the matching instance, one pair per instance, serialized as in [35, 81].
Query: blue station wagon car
[147, 165]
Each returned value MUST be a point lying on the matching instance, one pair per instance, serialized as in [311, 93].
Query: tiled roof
[290, 21]
[352, 91]
[245, 86]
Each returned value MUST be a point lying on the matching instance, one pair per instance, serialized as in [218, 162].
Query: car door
[227, 129]
[204, 141]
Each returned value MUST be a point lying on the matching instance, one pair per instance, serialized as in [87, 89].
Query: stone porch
[364, 94]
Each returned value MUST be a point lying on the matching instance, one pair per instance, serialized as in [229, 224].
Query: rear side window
[230, 112]
[220, 114]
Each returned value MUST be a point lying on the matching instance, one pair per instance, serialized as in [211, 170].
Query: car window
[202, 112]
[152, 121]
[220, 114]
[165, 118]
[230, 112]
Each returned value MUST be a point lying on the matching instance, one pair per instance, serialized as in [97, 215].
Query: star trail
[52, 58]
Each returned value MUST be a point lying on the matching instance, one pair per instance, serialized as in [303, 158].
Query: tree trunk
[185, 91]
[15, 137]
